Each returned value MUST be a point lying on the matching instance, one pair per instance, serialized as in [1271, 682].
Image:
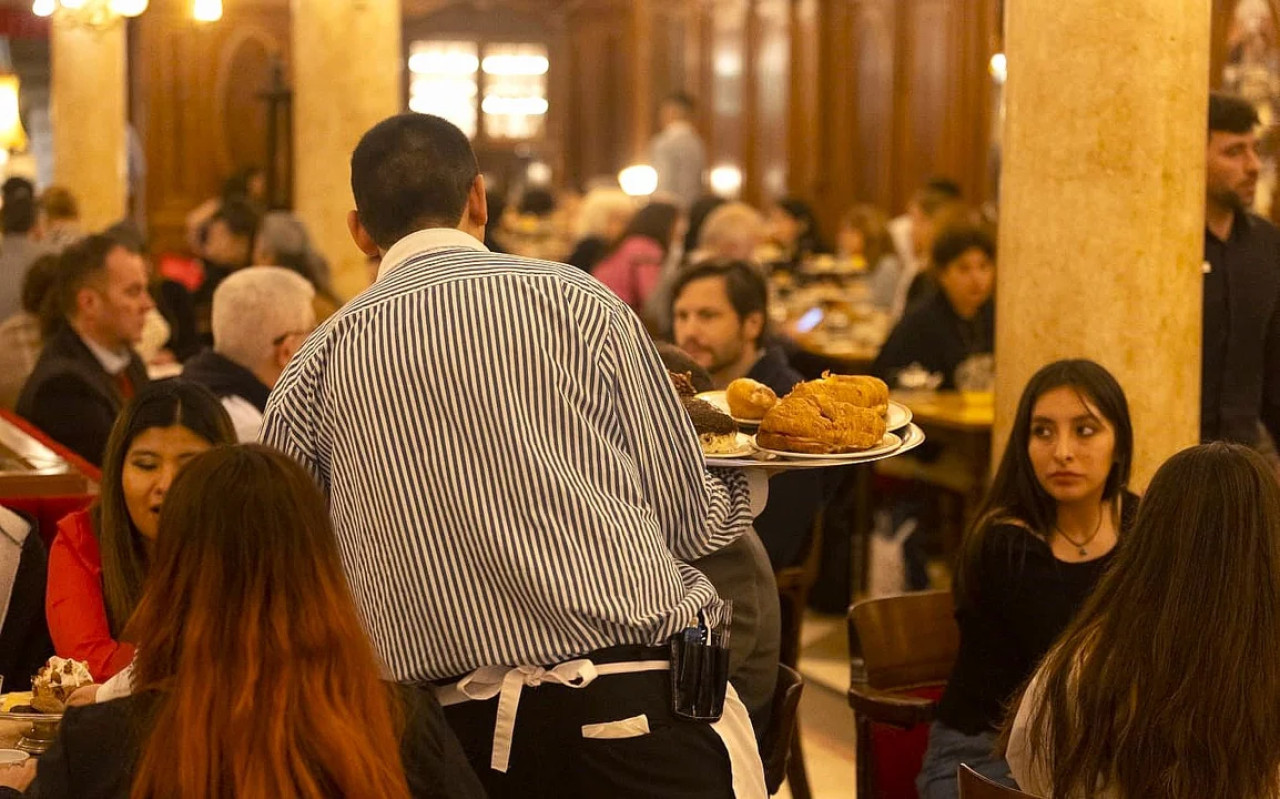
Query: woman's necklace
[1081, 546]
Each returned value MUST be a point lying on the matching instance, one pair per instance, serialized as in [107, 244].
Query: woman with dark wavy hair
[1043, 536]
[1164, 685]
[254, 677]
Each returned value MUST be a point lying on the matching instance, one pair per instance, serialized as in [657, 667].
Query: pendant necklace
[1081, 546]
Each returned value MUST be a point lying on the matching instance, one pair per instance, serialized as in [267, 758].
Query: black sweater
[934, 336]
[24, 634]
[98, 748]
[1024, 598]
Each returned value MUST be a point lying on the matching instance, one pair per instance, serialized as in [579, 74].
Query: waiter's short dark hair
[1229, 113]
[410, 172]
[745, 284]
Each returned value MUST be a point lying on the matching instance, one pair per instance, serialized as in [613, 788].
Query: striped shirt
[511, 476]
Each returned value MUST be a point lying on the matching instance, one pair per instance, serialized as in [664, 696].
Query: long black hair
[1016, 492]
[124, 556]
[656, 221]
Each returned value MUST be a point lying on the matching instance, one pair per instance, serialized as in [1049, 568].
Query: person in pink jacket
[633, 269]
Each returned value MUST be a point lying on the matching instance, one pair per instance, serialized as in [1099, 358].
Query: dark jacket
[786, 524]
[72, 398]
[226, 378]
[1240, 367]
[98, 748]
[933, 335]
[24, 634]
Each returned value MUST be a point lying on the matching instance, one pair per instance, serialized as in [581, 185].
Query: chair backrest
[775, 744]
[905, 640]
[794, 584]
[975, 786]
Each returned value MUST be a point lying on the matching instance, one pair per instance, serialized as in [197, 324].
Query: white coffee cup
[12, 757]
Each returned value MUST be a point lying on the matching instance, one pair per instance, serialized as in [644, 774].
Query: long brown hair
[124, 554]
[266, 683]
[1167, 682]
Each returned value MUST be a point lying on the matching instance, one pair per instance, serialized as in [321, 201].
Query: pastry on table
[819, 424]
[57, 680]
[749, 399]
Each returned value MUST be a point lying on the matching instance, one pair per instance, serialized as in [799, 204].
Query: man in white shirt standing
[516, 491]
[261, 315]
[678, 155]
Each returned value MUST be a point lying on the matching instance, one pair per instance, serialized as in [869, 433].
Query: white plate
[888, 444]
[746, 446]
[721, 403]
[897, 417]
[912, 437]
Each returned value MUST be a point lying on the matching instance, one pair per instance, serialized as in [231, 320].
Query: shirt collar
[436, 238]
[113, 362]
[13, 527]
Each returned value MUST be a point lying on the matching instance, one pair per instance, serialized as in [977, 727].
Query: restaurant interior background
[834, 101]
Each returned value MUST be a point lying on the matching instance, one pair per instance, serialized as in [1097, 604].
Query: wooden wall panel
[728, 97]
[875, 127]
[805, 107]
[599, 129]
[194, 102]
[767, 168]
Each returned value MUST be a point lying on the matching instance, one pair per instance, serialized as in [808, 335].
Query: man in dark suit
[88, 368]
[1240, 388]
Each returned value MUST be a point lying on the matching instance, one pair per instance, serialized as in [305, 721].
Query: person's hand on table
[18, 777]
[85, 695]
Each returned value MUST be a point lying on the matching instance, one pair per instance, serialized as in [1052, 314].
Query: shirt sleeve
[698, 510]
[76, 609]
[1030, 772]
[281, 426]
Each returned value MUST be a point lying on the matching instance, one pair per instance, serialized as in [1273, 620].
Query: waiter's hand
[18, 777]
[85, 695]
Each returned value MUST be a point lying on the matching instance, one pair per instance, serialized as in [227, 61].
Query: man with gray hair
[261, 315]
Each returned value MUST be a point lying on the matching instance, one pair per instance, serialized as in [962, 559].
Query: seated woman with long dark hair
[1163, 685]
[100, 557]
[1041, 539]
[255, 677]
[633, 268]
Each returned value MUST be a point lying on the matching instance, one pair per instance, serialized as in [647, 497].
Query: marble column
[1102, 206]
[88, 115]
[347, 69]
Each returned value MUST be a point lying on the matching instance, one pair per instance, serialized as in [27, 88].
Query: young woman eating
[100, 557]
[1042, 538]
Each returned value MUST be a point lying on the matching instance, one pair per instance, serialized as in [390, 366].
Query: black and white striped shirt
[510, 474]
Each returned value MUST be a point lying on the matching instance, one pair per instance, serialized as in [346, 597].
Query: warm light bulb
[207, 10]
[74, 5]
[128, 8]
[44, 8]
[726, 181]
[999, 68]
[639, 180]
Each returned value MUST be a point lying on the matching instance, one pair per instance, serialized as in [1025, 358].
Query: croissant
[820, 424]
[861, 390]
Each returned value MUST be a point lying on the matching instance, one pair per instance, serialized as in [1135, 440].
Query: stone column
[1102, 206]
[88, 116]
[348, 66]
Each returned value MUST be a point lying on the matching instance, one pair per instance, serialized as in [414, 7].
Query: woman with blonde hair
[1163, 685]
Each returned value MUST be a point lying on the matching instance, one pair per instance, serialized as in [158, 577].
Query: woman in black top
[1041, 540]
[955, 320]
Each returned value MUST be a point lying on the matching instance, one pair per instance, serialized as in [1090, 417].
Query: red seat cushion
[898, 753]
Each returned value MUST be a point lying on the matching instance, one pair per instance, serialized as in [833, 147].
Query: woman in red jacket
[99, 559]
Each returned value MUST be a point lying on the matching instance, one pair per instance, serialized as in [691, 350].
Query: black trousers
[551, 758]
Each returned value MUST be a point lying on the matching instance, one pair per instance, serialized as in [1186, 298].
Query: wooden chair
[898, 644]
[775, 744]
[794, 584]
[975, 786]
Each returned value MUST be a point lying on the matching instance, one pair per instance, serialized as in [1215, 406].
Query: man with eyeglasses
[261, 316]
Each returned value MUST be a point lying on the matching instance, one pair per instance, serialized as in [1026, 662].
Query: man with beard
[1240, 389]
[719, 314]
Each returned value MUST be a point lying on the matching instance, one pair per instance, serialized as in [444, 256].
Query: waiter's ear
[477, 210]
[361, 236]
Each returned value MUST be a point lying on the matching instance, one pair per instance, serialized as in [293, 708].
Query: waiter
[515, 489]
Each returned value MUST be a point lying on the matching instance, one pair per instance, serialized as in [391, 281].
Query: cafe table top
[962, 411]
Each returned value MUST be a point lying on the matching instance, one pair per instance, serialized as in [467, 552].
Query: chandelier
[103, 14]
